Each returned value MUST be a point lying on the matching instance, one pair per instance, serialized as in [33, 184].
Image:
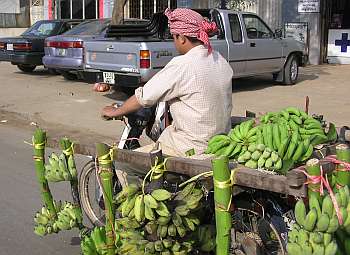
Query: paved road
[20, 199]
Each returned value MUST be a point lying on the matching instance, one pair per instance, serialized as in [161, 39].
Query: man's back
[200, 100]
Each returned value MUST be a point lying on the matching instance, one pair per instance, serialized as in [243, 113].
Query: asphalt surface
[20, 199]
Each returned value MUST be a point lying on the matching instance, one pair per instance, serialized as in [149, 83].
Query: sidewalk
[73, 109]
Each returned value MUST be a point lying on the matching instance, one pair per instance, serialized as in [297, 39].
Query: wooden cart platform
[291, 184]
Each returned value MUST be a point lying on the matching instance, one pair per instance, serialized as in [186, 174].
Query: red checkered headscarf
[186, 22]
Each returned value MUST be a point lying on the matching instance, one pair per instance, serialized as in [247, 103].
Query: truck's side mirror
[278, 33]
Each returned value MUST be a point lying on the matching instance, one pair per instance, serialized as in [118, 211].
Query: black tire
[93, 209]
[69, 76]
[291, 70]
[26, 68]
[53, 71]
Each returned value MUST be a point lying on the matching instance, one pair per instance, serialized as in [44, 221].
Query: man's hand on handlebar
[110, 113]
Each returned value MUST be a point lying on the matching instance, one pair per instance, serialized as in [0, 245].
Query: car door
[237, 46]
[264, 51]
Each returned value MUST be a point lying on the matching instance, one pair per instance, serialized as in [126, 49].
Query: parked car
[27, 50]
[65, 52]
[131, 56]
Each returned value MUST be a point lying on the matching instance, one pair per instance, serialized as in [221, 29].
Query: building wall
[290, 14]
[14, 13]
[271, 12]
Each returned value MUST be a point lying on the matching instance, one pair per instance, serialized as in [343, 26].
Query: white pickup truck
[133, 54]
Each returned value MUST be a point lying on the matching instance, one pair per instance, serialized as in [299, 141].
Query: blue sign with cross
[343, 43]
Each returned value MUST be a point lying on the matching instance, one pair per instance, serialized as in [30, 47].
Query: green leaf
[332, 133]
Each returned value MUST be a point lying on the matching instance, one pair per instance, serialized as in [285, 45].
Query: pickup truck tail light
[2, 46]
[22, 46]
[64, 45]
[145, 61]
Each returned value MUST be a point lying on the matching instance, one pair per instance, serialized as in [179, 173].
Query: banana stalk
[39, 139]
[105, 163]
[313, 169]
[66, 147]
[222, 197]
[343, 154]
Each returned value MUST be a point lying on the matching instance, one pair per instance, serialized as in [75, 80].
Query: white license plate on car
[9, 46]
[108, 78]
[61, 52]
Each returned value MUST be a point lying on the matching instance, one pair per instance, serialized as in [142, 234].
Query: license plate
[108, 78]
[61, 52]
[9, 46]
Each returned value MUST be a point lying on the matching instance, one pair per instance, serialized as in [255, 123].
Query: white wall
[9, 6]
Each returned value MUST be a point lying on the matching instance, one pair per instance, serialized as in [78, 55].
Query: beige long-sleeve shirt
[198, 88]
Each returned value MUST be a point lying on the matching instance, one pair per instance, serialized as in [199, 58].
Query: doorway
[335, 15]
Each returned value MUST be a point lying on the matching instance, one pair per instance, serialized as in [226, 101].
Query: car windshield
[42, 28]
[94, 27]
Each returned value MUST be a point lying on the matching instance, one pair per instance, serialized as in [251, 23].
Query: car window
[42, 28]
[89, 28]
[256, 28]
[235, 28]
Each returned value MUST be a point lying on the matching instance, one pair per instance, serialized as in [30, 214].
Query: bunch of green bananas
[163, 218]
[44, 221]
[235, 143]
[304, 242]
[139, 245]
[68, 217]
[315, 228]
[262, 157]
[59, 169]
[292, 120]
[95, 242]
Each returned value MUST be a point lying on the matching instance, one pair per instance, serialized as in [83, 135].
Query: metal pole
[154, 6]
[83, 9]
[71, 9]
[141, 12]
[96, 9]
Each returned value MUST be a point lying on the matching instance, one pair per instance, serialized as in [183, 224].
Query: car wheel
[26, 68]
[69, 76]
[53, 71]
[291, 70]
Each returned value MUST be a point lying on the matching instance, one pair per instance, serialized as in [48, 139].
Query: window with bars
[145, 8]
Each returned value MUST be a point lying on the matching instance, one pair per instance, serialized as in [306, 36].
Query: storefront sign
[297, 31]
[307, 6]
[339, 46]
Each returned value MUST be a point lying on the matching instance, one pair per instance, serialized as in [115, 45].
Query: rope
[160, 167]
[224, 185]
[314, 179]
[69, 151]
[107, 158]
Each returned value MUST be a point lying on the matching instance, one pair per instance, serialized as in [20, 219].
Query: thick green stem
[66, 146]
[313, 169]
[39, 139]
[343, 154]
[106, 174]
[222, 197]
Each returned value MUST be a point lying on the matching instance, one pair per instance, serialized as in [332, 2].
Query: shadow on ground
[264, 81]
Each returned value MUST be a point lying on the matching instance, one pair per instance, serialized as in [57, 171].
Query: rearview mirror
[278, 33]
